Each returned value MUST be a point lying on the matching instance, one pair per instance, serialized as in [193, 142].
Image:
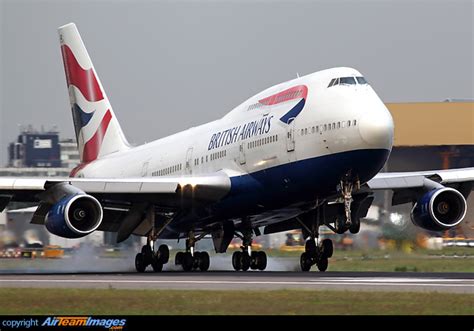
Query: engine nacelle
[74, 216]
[439, 209]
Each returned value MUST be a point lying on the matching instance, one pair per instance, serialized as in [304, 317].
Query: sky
[170, 65]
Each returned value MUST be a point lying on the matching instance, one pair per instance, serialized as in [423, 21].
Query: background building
[40, 153]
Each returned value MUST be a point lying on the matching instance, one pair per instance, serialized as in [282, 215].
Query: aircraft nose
[376, 128]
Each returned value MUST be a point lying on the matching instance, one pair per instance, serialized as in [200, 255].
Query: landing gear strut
[192, 260]
[315, 252]
[148, 256]
[347, 221]
[248, 259]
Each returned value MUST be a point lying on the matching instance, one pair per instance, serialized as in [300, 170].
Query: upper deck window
[361, 80]
[347, 80]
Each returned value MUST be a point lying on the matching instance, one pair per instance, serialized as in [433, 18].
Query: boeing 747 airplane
[298, 155]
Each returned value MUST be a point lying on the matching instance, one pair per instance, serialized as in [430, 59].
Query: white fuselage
[320, 129]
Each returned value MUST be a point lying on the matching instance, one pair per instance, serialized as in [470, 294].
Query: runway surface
[216, 280]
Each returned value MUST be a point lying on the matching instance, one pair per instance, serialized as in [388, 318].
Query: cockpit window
[347, 80]
[361, 80]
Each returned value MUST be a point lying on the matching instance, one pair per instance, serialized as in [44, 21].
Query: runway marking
[216, 282]
[395, 280]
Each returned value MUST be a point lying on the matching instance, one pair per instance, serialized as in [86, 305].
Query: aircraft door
[242, 159]
[189, 156]
[290, 135]
[145, 169]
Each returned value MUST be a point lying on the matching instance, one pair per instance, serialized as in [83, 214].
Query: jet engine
[74, 216]
[439, 209]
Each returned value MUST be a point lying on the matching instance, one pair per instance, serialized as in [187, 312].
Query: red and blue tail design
[98, 132]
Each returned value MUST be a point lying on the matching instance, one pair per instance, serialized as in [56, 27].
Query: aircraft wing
[406, 185]
[125, 201]
[168, 191]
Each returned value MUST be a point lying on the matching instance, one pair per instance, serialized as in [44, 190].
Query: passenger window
[325, 127]
[338, 125]
[333, 126]
[355, 123]
[347, 80]
[317, 128]
[348, 123]
[306, 131]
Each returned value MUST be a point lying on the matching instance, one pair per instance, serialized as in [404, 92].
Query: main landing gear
[192, 260]
[248, 259]
[316, 254]
[149, 257]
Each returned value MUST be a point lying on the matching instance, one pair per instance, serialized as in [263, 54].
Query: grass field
[287, 302]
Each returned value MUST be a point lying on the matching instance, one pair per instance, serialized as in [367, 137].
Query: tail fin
[98, 132]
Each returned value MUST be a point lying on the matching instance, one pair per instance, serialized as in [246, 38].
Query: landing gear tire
[253, 260]
[310, 247]
[305, 262]
[245, 262]
[258, 260]
[140, 263]
[327, 248]
[196, 259]
[261, 260]
[322, 264]
[355, 225]
[187, 261]
[164, 254]
[157, 265]
[178, 259]
[340, 226]
[147, 253]
[237, 260]
[204, 261]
